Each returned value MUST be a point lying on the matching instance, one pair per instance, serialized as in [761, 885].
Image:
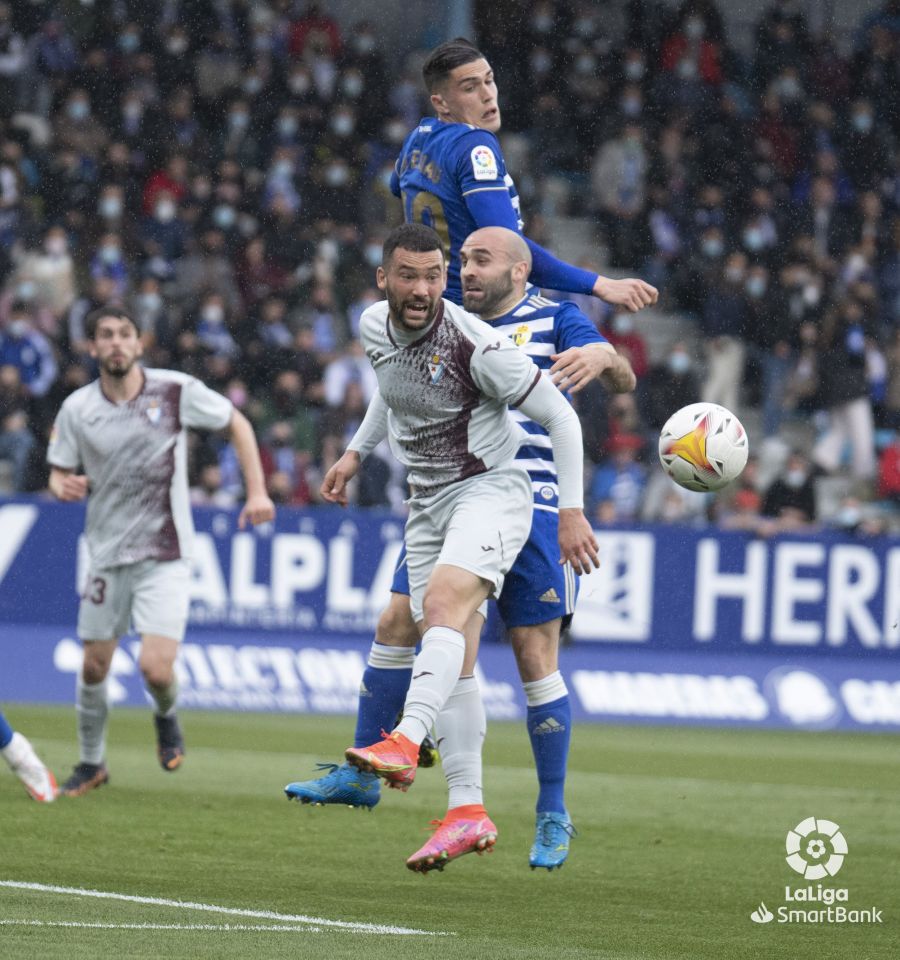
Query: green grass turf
[681, 834]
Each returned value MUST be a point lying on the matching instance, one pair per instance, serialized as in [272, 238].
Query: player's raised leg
[382, 693]
[25, 763]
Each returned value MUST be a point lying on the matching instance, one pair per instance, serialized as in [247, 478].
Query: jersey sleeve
[202, 408]
[62, 451]
[373, 429]
[501, 370]
[574, 329]
[479, 164]
[553, 274]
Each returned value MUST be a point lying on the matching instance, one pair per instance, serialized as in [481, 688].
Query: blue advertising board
[679, 625]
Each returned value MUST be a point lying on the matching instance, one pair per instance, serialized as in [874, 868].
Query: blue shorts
[537, 589]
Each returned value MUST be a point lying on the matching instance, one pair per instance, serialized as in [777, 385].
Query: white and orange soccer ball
[703, 447]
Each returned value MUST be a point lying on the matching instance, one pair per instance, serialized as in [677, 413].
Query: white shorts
[154, 596]
[479, 524]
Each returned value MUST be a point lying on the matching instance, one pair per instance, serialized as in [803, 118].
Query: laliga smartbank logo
[816, 849]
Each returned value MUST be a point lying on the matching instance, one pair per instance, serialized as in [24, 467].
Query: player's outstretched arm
[67, 486]
[575, 368]
[258, 508]
[490, 205]
[553, 274]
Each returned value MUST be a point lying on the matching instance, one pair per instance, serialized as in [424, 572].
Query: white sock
[460, 728]
[435, 672]
[165, 698]
[539, 692]
[16, 750]
[91, 708]
[383, 657]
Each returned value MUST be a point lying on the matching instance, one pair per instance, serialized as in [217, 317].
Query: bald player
[539, 593]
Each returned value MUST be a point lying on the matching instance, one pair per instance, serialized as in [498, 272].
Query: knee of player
[536, 655]
[395, 625]
[157, 672]
[95, 666]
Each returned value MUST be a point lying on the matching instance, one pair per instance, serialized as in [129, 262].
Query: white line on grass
[231, 911]
[215, 927]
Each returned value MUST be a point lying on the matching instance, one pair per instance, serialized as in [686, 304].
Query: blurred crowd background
[222, 169]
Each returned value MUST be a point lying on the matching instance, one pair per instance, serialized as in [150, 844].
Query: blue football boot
[551, 840]
[342, 784]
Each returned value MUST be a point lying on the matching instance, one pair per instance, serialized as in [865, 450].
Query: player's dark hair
[443, 60]
[95, 316]
[415, 237]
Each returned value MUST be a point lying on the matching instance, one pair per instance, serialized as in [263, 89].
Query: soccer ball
[703, 447]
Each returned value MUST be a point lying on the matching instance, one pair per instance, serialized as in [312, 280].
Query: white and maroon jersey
[447, 392]
[135, 458]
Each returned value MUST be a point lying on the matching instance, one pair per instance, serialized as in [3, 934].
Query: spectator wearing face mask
[625, 337]
[696, 39]
[212, 327]
[29, 351]
[791, 499]
[78, 130]
[865, 152]
[772, 340]
[316, 30]
[21, 287]
[844, 392]
[154, 321]
[164, 234]
[725, 322]
[53, 271]
[618, 178]
[16, 439]
[109, 261]
[238, 137]
[670, 387]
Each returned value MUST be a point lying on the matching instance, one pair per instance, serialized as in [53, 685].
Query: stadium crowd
[222, 169]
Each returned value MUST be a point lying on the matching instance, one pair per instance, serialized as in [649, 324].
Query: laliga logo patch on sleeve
[484, 163]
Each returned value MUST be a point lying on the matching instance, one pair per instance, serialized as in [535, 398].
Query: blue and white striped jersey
[541, 328]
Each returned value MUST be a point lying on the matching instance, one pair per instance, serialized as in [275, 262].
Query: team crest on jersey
[484, 163]
[436, 368]
[522, 335]
[154, 412]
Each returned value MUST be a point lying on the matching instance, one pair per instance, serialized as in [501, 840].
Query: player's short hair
[443, 60]
[92, 320]
[415, 237]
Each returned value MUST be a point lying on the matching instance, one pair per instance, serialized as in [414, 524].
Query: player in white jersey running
[125, 433]
[445, 381]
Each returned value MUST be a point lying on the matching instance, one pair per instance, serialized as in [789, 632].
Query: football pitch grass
[680, 836]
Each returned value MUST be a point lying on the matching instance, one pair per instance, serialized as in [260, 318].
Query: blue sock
[6, 731]
[550, 727]
[382, 692]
